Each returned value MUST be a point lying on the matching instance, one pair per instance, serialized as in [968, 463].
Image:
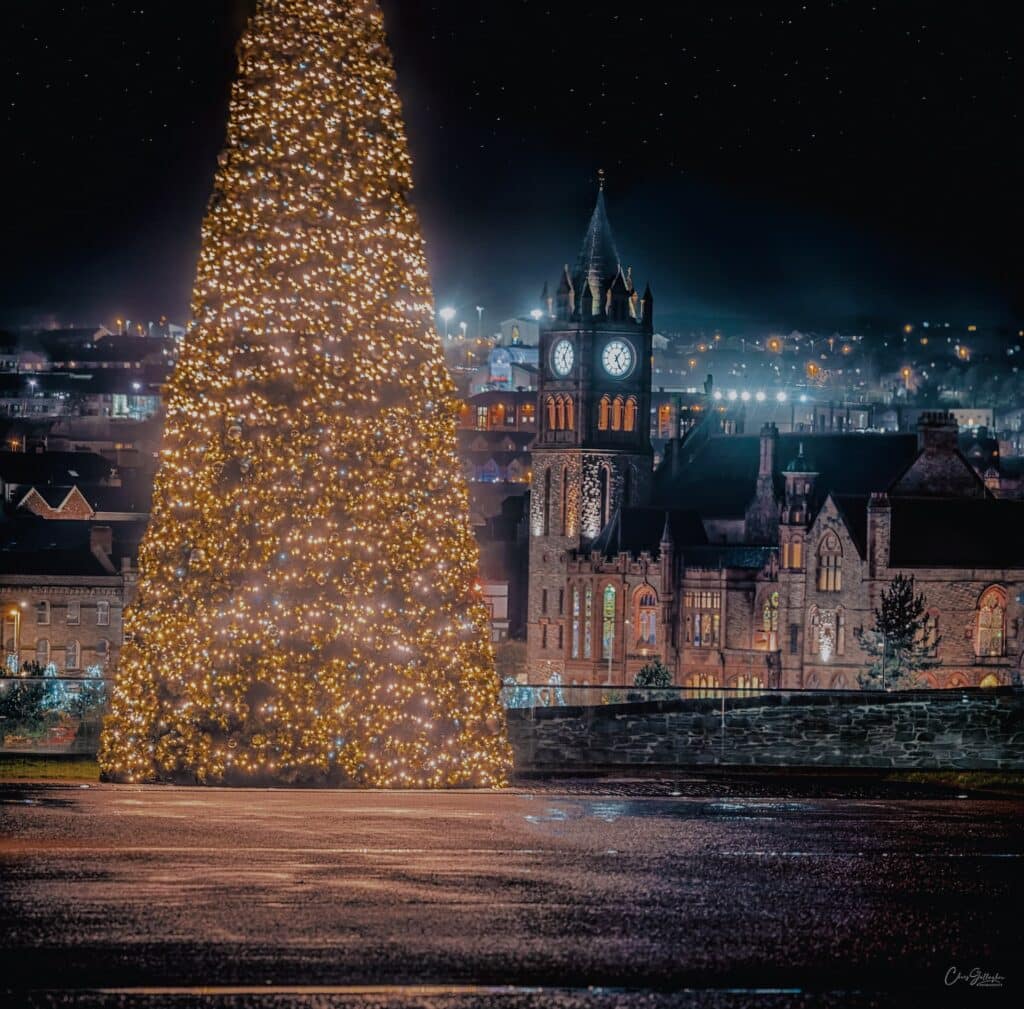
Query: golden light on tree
[308, 606]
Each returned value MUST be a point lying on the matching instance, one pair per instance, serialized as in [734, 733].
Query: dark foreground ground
[567, 895]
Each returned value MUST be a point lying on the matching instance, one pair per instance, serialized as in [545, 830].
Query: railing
[556, 695]
[52, 714]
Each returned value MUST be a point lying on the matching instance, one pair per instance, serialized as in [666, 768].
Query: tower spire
[598, 260]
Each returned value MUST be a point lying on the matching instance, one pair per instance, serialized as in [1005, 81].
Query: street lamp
[447, 314]
[535, 314]
[479, 321]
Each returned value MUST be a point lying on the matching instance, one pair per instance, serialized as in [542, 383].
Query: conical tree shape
[308, 607]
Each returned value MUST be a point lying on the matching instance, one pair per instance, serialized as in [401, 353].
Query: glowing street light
[447, 314]
[759, 396]
[479, 321]
[535, 314]
[781, 397]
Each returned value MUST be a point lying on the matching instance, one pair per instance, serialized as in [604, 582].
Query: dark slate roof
[54, 468]
[598, 260]
[722, 478]
[957, 533]
[728, 556]
[634, 530]
[36, 546]
[854, 509]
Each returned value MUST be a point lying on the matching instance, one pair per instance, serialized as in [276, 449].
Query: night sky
[801, 165]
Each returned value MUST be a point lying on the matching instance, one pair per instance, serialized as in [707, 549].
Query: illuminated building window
[830, 564]
[588, 624]
[629, 421]
[608, 630]
[702, 622]
[603, 413]
[767, 637]
[647, 619]
[798, 554]
[617, 409]
[575, 622]
[991, 622]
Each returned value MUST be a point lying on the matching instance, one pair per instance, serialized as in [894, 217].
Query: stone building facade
[592, 454]
[63, 590]
[757, 563]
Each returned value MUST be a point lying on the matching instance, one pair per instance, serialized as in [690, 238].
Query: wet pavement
[563, 896]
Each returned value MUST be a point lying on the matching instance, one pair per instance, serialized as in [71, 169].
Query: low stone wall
[968, 729]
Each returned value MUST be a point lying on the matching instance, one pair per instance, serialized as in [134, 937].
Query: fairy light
[307, 605]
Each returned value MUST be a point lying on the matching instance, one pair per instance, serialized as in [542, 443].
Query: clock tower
[593, 452]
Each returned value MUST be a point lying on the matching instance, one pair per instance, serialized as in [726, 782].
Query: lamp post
[479, 322]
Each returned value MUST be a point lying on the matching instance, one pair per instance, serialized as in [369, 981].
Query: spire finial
[600, 180]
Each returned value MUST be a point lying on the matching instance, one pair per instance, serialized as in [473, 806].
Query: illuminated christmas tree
[308, 606]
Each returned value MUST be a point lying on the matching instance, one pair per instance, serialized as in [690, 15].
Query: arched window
[43, 651]
[608, 631]
[990, 681]
[570, 414]
[552, 420]
[588, 623]
[43, 613]
[560, 413]
[646, 618]
[768, 638]
[830, 563]
[72, 655]
[617, 413]
[798, 554]
[603, 412]
[991, 622]
[575, 621]
[751, 682]
[629, 423]
[103, 613]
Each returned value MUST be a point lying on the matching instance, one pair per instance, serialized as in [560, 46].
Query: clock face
[617, 358]
[562, 357]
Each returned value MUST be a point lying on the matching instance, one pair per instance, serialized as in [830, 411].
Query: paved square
[142, 896]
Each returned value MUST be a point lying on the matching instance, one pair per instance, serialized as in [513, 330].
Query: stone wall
[969, 729]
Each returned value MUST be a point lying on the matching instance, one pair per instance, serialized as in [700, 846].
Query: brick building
[747, 561]
[63, 589]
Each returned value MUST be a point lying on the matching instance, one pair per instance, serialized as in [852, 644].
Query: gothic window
[560, 413]
[570, 414]
[785, 554]
[608, 631]
[798, 554]
[575, 622]
[702, 685]
[629, 421]
[72, 655]
[703, 618]
[617, 413]
[552, 420]
[603, 413]
[991, 621]
[647, 618]
[43, 613]
[750, 683]
[43, 651]
[588, 623]
[767, 638]
[830, 564]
